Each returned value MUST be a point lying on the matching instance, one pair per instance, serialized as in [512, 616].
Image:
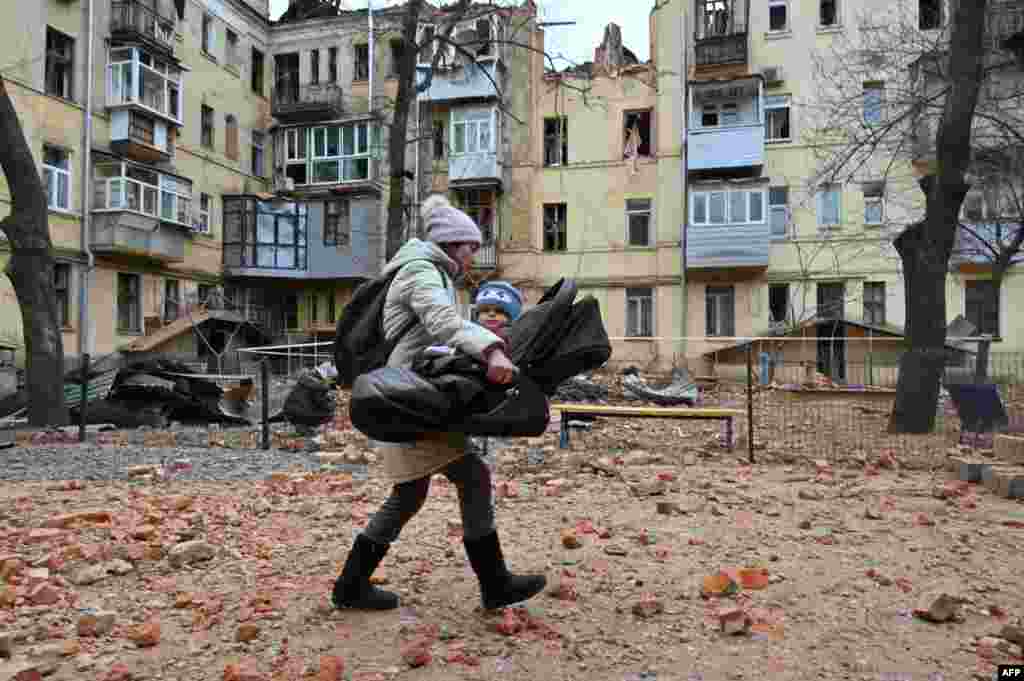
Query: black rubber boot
[353, 589]
[498, 586]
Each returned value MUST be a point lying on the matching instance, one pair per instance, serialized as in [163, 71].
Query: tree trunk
[921, 366]
[925, 247]
[398, 138]
[31, 272]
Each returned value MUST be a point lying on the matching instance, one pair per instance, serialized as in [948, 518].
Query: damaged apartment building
[234, 187]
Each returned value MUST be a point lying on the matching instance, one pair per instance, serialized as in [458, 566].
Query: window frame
[650, 131]
[126, 71]
[784, 4]
[874, 199]
[132, 305]
[341, 158]
[777, 103]
[52, 176]
[257, 146]
[332, 64]
[440, 148]
[647, 212]
[62, 293]
[338, 234]
[208, 36]
[837, 13]
[60, 59]
[786, 317]
[246, 238]
[231, 44]
[715, 298]
[819, 196]
[874, 304]
[259, 61]
[471, 119]
[207, 125]
[360, 62]
[776, 207]
[873, 96]
[559, 230]
[201, 222]
[314, 66]
[561, 140]
[167, 186]
[727, 198]
[640, 307]
[996, 304]
[171, 310]
[394, 57]
[940, 16]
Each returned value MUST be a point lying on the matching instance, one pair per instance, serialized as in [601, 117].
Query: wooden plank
[167, 332]
[663, 412]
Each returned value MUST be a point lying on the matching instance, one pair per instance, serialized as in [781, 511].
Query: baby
[498, 304]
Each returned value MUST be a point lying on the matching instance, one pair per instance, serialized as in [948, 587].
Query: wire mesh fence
[829, 398]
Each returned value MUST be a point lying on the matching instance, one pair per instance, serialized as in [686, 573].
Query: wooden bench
[568, 411]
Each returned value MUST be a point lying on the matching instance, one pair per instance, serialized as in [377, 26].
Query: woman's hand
[500, 368]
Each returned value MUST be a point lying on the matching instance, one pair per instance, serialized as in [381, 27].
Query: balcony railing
[727, 245]
[131, 16]
[726, 148]
[298, 103]
[487, 257]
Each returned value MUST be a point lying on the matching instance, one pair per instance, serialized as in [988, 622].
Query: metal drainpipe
[84, 329]
[685, 42]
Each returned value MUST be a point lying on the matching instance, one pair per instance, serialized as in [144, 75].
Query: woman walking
[423, 289]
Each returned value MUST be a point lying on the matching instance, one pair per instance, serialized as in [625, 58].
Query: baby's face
[491, 313]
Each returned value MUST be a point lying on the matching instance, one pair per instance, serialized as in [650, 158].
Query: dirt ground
[850, 547]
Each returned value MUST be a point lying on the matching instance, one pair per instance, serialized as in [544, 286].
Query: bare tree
[891, 94]
[30, 270]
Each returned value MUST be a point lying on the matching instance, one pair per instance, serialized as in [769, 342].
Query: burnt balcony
[307, 103]
[133, 20]
[721, 49]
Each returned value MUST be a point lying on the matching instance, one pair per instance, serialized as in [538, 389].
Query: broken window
[874, 302]
[172, 290]
[129, 302]
[362, 62]
[874, 202]
[981, 305]
[720, 310]
[829, 13]
[484, 35]
[929, 14]
[257, 71]
[556, 141]
[231, 137]
[831, 299]
[637, 131]
[60, 51]
[709, 116]
[332, 64]
[776, 119]
[778, 15]
[778, 303]
[439, 149]
[639, 312]
[714, 18]
[397, 49]
[554, 227]
[337, 224]
[62, 288]
[314, 66]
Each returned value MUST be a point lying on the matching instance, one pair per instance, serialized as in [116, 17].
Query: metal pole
[85, 282]
[82, 406]
[750, 401]
[265, 387]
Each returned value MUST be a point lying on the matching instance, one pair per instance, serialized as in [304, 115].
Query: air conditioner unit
[772, 74]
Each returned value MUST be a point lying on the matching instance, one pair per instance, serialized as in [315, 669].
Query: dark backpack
[359, 342]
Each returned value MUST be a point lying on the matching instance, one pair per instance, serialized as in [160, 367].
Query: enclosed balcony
[471, 80]
[138, 79]
[720, 35]
[307, 103]
[727, 229]
[140, 137]
[473, 156]
[129, 234]
[727, 128]
[138, 20]
[322, 156]
[126, 187]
